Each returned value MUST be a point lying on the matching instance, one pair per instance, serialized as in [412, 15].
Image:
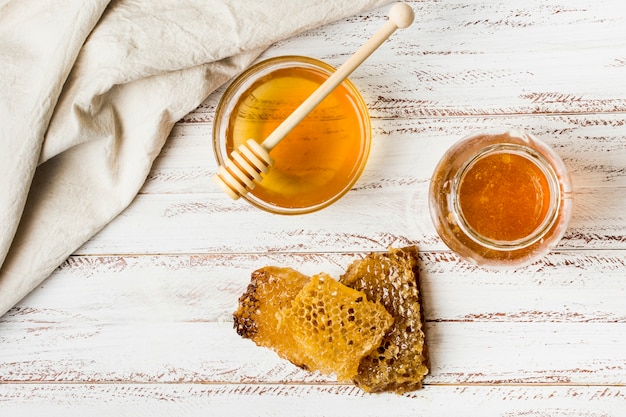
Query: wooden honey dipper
[251, 159]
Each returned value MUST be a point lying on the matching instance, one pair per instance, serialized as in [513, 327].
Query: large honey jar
[321, 158]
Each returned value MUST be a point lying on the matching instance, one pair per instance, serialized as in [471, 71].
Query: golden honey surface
[320, 156]
[504, 196]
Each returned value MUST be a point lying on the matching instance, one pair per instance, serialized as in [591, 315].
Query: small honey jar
[500, 199]
[321, 158]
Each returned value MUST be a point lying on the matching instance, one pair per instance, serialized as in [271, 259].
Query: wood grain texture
[172, 352]
[139, 320]
[569, 286]
[157, 319]
[593, 146]
[474, 58]
[192, 223]
[311, 400]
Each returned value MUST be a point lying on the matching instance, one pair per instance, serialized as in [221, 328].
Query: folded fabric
[89, 91]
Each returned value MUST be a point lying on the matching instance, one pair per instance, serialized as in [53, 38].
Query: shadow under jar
[500, 199]
[321, 158]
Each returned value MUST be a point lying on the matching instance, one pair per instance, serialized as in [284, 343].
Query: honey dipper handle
[400, 16]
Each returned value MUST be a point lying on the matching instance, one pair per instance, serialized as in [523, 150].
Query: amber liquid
[316, 160]
[504, 197]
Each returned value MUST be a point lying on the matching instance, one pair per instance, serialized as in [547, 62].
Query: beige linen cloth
[89, 91]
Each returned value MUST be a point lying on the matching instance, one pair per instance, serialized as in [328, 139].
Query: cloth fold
[89, 92]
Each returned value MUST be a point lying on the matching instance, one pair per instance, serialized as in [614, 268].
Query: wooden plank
[478, 58]
[312, 400]
[497, 85]
[212, 223]
[405, 152]
[169, 351]
[575, 286]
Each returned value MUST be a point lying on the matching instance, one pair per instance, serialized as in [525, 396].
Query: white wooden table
[138, 321]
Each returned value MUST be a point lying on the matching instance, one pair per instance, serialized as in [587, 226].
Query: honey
[504, 196]
[500, 199]
[322, 157]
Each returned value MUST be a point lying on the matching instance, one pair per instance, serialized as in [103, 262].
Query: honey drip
[317, 159]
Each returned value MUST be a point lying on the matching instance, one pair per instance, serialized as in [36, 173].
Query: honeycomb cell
[336, 339]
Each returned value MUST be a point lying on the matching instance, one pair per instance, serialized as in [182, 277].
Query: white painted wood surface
[138, 320]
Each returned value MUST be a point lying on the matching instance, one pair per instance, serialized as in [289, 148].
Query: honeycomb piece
[271, 289]
[335, 326]
[400, 362]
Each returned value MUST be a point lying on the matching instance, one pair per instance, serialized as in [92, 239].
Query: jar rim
[550, 217]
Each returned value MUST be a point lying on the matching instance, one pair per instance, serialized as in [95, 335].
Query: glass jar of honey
[500, 199]
[318, 161]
